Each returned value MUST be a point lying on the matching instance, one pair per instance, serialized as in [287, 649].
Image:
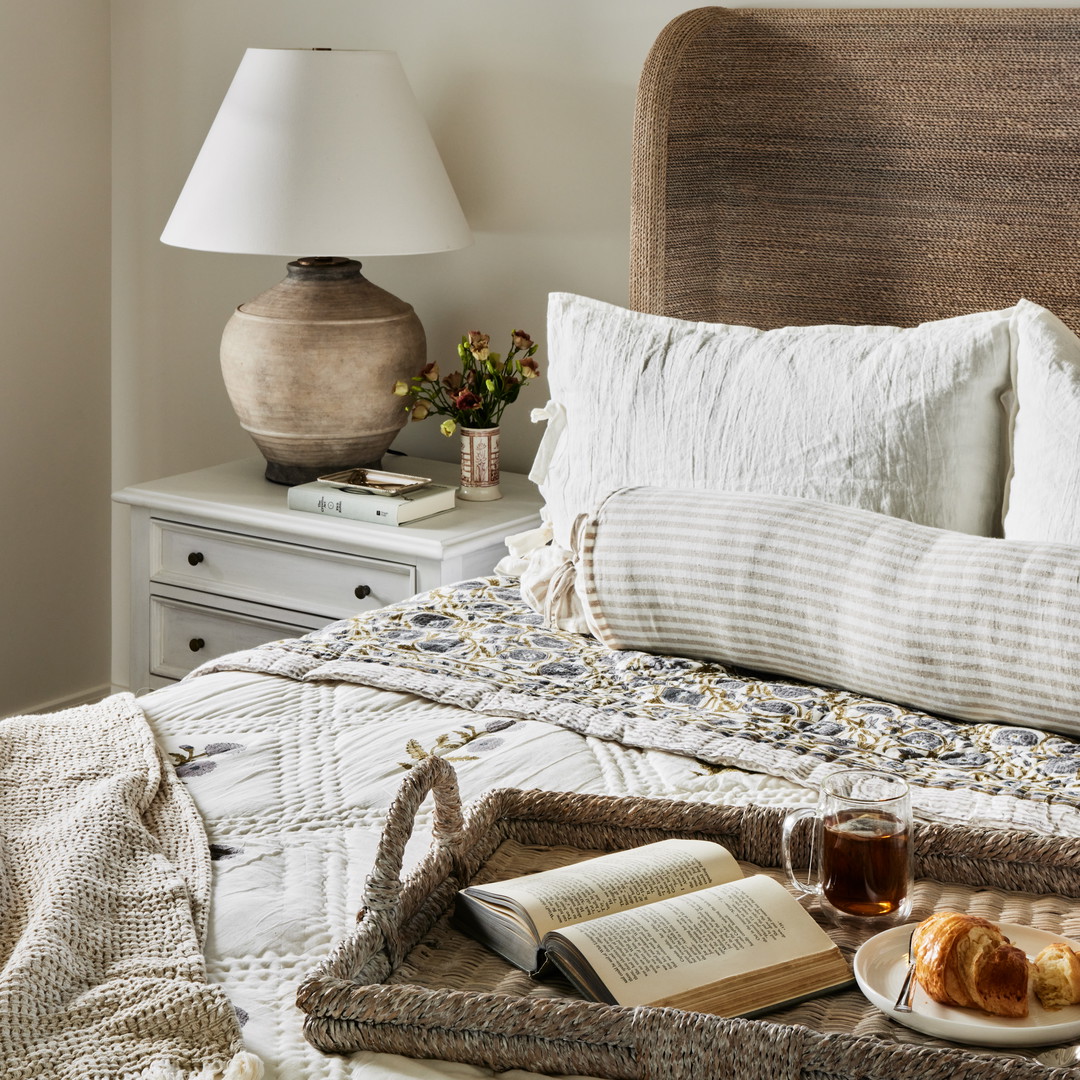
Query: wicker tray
[406, 982]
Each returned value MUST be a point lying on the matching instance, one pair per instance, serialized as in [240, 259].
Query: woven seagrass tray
[406, 982]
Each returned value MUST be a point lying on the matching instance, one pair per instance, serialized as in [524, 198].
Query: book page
[609, 883]
[648, 954]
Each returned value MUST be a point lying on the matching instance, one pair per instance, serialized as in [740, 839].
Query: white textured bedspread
[293, 751]
[293, 780]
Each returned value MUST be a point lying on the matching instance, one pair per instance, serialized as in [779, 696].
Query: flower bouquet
[475, 396]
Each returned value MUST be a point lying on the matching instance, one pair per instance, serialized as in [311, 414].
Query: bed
[793, 170]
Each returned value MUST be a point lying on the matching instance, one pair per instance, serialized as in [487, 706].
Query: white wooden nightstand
[220, 563]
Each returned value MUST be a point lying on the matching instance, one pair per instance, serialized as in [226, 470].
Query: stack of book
[319, 497]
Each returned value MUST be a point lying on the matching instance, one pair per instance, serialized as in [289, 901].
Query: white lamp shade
[318, 152]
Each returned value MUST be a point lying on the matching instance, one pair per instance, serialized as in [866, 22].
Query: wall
[54, 364]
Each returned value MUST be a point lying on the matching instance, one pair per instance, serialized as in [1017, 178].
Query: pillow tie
[555, 415]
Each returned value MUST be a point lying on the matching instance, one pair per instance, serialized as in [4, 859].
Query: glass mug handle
[790, 821]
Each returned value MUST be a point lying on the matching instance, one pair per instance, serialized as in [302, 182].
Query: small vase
[480, 464]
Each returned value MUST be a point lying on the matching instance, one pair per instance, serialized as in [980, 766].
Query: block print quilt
[478, 645]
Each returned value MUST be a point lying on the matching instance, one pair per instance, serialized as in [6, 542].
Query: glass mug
[862, 847]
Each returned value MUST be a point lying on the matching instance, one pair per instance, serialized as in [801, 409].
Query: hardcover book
[669, 924]
[321, 498]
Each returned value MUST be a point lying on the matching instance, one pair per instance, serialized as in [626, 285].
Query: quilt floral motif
[479, 645]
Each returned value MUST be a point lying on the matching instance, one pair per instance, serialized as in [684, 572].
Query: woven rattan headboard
[881, 166]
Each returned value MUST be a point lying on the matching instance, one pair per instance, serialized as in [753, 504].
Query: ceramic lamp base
[310, 367]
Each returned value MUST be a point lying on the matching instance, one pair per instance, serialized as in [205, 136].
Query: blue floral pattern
[481, 638]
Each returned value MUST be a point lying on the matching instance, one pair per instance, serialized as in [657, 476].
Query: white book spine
[377, 509]
[333, 503]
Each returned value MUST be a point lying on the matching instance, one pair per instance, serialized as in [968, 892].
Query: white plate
[880, 966]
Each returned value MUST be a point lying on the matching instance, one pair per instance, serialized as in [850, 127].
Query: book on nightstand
[672, 924]
[322, 498]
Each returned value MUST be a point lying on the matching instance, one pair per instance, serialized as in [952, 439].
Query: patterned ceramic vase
[480, 464]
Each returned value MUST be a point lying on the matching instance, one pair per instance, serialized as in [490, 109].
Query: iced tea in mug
[861, 847]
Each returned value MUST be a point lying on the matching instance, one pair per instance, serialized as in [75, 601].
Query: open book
[670, 924]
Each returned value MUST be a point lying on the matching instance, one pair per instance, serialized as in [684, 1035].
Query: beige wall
[54, 360]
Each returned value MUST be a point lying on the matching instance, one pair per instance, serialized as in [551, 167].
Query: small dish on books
[374, 481]
[880, 966]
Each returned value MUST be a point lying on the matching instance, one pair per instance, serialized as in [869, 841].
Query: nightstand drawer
[323, 582]
[182, 635]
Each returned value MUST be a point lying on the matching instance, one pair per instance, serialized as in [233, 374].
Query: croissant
[1056, 976]
[965, 960]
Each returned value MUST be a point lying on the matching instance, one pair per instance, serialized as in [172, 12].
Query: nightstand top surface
[237, 494]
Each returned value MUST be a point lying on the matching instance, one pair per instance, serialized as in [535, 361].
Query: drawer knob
[195, 557]
[361, 592]
[196, 643]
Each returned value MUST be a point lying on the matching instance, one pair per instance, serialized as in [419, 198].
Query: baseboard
[84, 697]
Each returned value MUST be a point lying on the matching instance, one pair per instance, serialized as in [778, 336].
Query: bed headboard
[858, 166]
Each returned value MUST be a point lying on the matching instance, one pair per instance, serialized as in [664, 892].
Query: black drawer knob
[196, 643]
[361, 592]
[195, 557]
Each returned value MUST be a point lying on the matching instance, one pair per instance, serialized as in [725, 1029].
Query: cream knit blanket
[104, 885]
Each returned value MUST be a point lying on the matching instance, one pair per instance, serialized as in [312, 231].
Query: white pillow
[1043, 499]
[965, 626]
[908, 422]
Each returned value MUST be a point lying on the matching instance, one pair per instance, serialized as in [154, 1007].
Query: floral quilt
[478, 645]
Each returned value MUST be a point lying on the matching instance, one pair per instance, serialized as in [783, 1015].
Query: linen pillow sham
[907, 422]
[971, 627]
[1043, 496]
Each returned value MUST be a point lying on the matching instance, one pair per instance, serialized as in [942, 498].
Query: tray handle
[382, 891]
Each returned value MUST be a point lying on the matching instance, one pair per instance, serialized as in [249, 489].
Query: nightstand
[219, 562]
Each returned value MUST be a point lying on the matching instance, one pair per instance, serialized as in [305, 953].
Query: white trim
[84, 697]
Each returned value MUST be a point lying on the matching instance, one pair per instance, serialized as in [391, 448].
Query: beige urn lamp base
[320, 150]
[309, 366]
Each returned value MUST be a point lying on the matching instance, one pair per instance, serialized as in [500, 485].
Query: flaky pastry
[966, 960]
[1055, 975]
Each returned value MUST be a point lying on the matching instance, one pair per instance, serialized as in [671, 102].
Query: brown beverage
[864, 862]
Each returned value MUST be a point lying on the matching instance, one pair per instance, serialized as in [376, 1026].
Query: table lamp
[320, 151]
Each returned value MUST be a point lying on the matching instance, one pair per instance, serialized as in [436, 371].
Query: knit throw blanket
[104, 885]
[477, 645]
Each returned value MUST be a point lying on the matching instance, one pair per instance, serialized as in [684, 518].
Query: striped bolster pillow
[965, 626]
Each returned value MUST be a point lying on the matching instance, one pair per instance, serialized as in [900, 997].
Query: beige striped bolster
[967, 626]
